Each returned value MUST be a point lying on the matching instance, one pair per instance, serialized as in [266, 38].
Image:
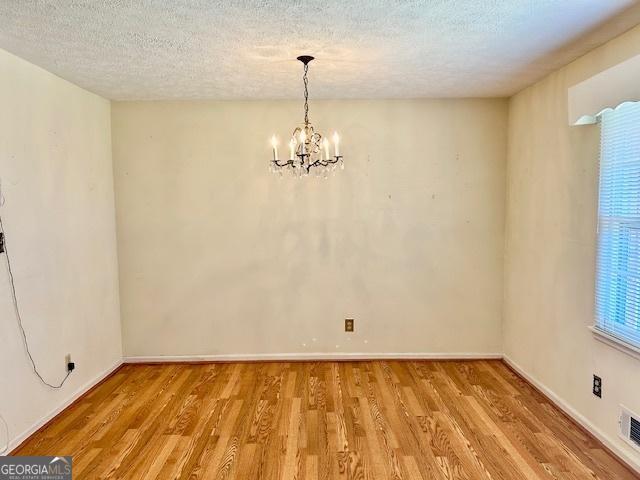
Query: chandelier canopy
[308, 150]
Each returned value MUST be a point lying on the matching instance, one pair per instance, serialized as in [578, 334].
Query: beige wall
[551, 246]
[218, 256]
[56, 174]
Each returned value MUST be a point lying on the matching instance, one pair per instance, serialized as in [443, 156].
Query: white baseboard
[13, 443]
[576, 416]
[310, 357]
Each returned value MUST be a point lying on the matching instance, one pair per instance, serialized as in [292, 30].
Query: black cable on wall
[16, 308]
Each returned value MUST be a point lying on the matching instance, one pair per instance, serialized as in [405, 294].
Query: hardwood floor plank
[160, 459]
[375, 420]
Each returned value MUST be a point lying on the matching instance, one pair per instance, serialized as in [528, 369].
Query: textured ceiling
[237, 49]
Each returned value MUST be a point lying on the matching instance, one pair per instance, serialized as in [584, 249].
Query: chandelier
[307, 148]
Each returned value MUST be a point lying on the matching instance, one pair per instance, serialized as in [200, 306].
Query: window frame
[612, 337]
[615, 342]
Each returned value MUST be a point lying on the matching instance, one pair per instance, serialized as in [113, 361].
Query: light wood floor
[322, 420]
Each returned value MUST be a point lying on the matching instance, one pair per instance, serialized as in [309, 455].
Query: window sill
[615, 342]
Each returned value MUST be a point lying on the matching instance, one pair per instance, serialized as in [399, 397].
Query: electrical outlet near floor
[597, 386]
[349, 324]
[70, 365]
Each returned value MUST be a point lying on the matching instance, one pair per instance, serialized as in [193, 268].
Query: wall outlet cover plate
[597, 386]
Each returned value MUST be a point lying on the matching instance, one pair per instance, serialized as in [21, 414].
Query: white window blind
[618, 277]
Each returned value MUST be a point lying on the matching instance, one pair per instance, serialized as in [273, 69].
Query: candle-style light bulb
[336, 143]
[325, 144]
[274, 144]
[292, 148]
[303, 141]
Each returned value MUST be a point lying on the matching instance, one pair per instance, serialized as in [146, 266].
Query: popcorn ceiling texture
[245, 49]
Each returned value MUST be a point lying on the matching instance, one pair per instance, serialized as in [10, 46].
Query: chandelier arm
[282, 164]
[314, 164]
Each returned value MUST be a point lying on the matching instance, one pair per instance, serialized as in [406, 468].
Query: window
[618, 277]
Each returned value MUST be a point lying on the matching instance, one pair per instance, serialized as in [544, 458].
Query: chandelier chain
[306, 94]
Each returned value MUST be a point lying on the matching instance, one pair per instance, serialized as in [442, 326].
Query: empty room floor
[322, 420]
